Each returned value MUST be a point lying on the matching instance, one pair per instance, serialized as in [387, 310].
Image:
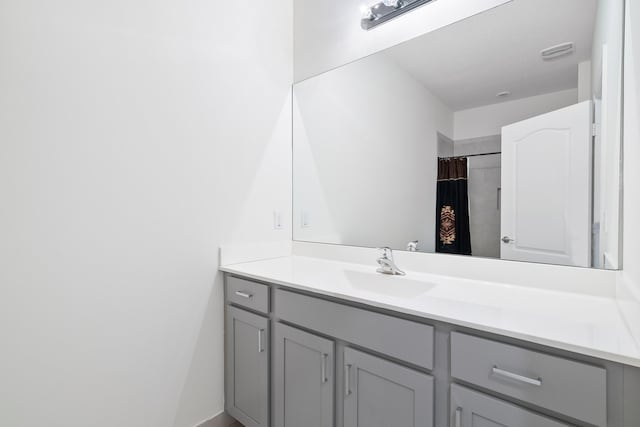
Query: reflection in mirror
[498, 136]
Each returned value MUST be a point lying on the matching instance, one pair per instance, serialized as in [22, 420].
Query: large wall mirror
[498, 136]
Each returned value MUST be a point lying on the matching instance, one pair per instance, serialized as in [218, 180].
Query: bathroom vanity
[479, 139]
[313, 342]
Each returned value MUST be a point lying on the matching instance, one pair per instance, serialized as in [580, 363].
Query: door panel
[473, 409]
[546, 188]
[380, 393]
[247, 370]
[304, 378]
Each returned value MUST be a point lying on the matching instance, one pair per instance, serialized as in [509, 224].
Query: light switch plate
[277, 220]
[305, 222]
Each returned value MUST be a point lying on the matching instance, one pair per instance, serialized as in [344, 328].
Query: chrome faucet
[387, 265]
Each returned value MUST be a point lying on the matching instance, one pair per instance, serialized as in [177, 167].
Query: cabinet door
[472, 409]
[304, 378]
[380, 393]
[247, 367]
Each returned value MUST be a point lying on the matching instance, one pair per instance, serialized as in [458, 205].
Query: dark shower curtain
[452, 207]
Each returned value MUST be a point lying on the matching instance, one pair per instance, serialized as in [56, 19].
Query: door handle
[512, 376]
[507, 239]
[323, 368]
[260, 347]
[244, 294]
[458, 421]
[347, 380]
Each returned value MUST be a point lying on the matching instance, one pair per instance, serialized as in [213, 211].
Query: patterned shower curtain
[452, 207]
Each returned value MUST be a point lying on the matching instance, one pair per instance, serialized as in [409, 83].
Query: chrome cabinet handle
[260, 347]
[244, 294]
[324, 357]
[347, 380]
[458, 417]
[510, 375]
[507, 239]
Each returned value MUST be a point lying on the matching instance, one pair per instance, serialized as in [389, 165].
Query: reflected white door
[546, 188]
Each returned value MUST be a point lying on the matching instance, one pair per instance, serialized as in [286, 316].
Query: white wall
[378, 156]
[489, 119]
[445, 146]
[481, 145]
[135, 138]
[328, 32]
[585, 82]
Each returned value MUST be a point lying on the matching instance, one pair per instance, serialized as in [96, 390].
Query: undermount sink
[396, 286]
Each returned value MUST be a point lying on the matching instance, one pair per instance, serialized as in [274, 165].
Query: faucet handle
[387, 265]
[386, 252]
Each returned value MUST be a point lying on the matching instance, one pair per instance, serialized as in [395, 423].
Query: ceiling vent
[557, 51]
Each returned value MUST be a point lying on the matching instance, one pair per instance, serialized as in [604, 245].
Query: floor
[223, 420]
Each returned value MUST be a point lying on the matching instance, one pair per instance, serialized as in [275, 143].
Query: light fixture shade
[385, 10]
[366, 12]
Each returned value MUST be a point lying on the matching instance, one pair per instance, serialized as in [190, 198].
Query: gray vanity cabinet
[380, 393]
[473, 409]
[299, 360]
[247, 373]
[304, 378]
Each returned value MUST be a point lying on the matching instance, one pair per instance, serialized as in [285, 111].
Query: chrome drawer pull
[260, 347]
[347, 380]
[458, 417]
[244, 294]
[506, 374]
[325, 356]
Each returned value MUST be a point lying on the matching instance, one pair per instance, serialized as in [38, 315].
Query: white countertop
[590, 325]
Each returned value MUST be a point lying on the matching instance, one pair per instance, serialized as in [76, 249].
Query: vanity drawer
[248, 294]
[398, 338]
[564, 386]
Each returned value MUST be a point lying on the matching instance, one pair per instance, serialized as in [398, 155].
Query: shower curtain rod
[470, 155]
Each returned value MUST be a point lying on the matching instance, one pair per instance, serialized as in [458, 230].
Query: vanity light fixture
[386, 10]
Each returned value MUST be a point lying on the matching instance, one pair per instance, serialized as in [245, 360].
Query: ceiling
[466, 64]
